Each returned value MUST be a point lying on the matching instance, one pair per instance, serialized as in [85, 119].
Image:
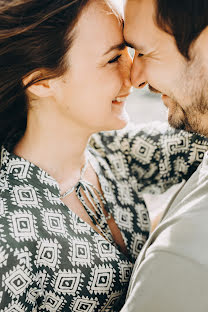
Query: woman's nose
[126, 71]
[138, 79]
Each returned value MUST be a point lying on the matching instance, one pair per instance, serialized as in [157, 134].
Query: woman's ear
[40, 88]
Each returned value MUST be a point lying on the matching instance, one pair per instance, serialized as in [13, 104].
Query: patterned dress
[50, 260]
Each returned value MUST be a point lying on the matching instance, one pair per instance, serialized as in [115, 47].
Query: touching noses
[138, 79]
[126, 72]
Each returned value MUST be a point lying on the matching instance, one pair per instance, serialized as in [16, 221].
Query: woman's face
[98, 75]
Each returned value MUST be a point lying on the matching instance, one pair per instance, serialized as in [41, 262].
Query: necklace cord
[95, 198]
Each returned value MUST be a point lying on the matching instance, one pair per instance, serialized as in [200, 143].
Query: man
[171, 43]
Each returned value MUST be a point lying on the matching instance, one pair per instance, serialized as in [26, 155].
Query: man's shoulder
[183, 230]
[174, 262]
[184, 235]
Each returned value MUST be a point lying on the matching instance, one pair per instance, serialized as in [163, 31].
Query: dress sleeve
[158, 156]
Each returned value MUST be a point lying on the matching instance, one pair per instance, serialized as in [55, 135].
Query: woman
[72, 217]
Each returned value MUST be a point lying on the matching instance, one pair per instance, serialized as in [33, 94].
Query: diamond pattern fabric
[50, 259]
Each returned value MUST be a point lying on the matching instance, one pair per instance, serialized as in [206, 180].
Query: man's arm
[157, 155]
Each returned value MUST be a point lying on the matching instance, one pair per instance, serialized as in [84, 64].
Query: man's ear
[40, 88]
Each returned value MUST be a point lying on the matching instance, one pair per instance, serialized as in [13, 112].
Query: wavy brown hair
[34, 34]
[184, 19]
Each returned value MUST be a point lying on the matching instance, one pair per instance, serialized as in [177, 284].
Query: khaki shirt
[171, 273]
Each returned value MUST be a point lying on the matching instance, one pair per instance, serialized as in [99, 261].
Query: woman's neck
[56, 147]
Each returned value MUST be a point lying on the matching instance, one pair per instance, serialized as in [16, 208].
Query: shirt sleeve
[167, 282]
[158, 156]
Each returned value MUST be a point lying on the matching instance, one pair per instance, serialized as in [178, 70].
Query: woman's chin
[120, 120]
[114, 121]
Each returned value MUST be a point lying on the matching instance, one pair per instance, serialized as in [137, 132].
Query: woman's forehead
[99, 26]
[114, 7]
[117, 6]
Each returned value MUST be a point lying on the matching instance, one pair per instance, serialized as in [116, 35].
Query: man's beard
[191, 118]
[181, 123]
[190, 110]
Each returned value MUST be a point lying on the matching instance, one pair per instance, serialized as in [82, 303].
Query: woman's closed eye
[115, 59]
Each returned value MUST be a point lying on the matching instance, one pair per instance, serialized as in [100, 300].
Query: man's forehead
[138, 16]
[140, 29]
[140, 2]
[139, 12]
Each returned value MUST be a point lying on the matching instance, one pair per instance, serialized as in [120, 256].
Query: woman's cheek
[119, 74]
[113, 80]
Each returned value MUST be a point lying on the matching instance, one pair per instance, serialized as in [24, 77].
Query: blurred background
[144, 106]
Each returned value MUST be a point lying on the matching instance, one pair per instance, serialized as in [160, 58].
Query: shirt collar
[16, 168]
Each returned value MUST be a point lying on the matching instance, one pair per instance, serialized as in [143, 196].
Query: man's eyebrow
[133, 46]
[119, 46]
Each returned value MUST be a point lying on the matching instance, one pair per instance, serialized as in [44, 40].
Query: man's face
[158, 62]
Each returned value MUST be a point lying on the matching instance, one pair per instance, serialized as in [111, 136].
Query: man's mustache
[153, 89]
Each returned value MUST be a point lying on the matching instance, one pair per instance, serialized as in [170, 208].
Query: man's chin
[176, 123]
[182, 125]
[176, 115]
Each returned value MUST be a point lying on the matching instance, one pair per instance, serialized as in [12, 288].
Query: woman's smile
[120, 100]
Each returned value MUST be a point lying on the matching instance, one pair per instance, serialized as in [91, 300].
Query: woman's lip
[123, 99]
[118, 103]
[124, 95]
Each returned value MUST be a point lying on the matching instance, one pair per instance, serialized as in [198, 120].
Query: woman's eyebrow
[119, 46]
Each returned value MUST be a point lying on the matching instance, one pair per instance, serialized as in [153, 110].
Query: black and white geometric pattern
[53, 261]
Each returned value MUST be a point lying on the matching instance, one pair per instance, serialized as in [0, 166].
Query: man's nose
[138, 79]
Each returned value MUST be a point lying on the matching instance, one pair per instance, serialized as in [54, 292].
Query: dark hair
[184, 19]
[34, 34]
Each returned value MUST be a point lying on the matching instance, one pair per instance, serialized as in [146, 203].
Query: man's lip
[164, 97]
